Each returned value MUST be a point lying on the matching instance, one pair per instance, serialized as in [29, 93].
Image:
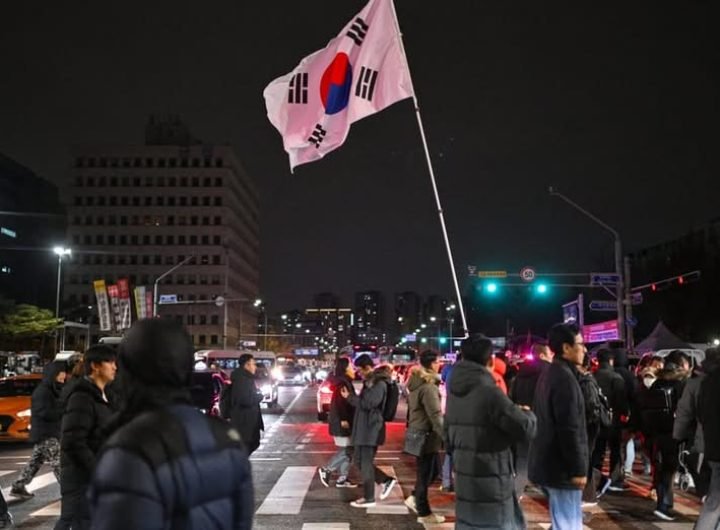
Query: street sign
[492, 274]
[601, 332]
[598, 279]
[636, 298]
[603, 305]
[168, 299]
[527, 274]
[631, 321]
[219, 301]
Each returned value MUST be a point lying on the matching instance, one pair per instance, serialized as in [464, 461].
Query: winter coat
[591, 397]
[632, 386]
[245, 413]
[368, 424]
[709, 415]
[340, 408]
[46, 409]
[424, 411]
[613, 386]
[83, 432]
[559, 452]
[499, 371]
[481, 426]
[522, 390]
[686, 426]
[149, 476]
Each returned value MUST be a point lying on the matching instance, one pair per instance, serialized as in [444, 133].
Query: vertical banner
[103, 305]
[140, 302]
[124, 303]
[114, 294]
[149, 303]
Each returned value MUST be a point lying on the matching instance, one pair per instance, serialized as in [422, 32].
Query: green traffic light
[491, 287]
[541, 288]
[443, 340]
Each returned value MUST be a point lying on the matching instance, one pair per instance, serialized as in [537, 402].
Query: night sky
[613, 103]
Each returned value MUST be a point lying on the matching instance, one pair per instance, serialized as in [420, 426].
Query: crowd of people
[130, 451]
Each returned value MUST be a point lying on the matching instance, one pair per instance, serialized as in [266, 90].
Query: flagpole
[432, 174]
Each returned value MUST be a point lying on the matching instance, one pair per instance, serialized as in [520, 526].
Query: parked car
[291, 375]
[15, 399]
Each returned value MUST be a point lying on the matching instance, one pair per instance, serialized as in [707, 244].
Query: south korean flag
[360, 72]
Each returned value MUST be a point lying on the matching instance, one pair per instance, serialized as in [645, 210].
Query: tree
[26, 323]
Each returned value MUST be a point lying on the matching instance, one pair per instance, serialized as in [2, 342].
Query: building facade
[140, 212]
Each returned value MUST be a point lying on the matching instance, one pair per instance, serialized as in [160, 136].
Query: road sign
[527, 274]
[636, 298]
[598, 279]
[168, 299]
[603, 305]
[601, 332]
[219, 301]
[631, 321]
[492, 274]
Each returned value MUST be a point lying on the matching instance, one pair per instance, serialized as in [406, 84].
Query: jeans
[424, 473]
[665, 456]
[629, 456]
[447, 471]
[710, 514]
[565, 509]
[371, 474]
[341, 461]
[608, 437]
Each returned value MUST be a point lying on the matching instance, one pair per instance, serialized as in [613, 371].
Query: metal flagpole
[432, 174]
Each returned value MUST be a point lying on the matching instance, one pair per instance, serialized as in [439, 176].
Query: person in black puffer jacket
[709, 417]
[87, 413]
[167, 465]
[46, 413]
[340, 420]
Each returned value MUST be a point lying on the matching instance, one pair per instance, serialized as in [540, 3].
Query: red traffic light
[653, 287]
[681, 280]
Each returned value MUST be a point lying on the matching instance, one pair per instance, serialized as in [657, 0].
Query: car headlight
[321, 374]
[24, 413]
[266, 389]
[276, 373]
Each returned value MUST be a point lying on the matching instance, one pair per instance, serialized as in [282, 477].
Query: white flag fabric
[360, 72]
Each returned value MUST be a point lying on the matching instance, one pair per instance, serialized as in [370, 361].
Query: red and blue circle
[335, 84]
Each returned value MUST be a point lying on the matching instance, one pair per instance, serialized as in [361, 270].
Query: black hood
[621, 357]
[51, 371]
[530, 369]
[466, 376]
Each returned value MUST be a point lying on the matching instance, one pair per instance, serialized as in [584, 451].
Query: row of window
[137, 161]
[111, 239]
[122, 259]
[145, 220]
[160, 200]
[72, 340]
[146, 279]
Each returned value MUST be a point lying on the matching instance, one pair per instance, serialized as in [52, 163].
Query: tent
[661, 338]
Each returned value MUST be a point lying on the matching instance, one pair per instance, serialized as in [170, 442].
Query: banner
[103, 305]
[360, 72]
[114, 294]
[140, 302]
[124, 304]
[149, 303]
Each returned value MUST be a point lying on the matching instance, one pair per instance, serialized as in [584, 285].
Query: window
[99, 239]
[102, 182]
[171, 201]
[170, 240]
[87, 240]
[173, 162]
[181, 240]
[121, 260]
[146, 240]
[218, 162]
[184, 182]
[161, 162]
[124, 201]
[136, 182]
[146, 260]
[182, 220]
[191, 320]
[205, 240]
[136, 201]
[195, 162]
[135, 220]
[113, 201]
[202, 340]
[215, 279]
[133, 260]
[158, 260]
[79, 162]
[207, 182]
[171, 220]
[88, 220]
[216, 240]
[111, 240]
[113, 182]
[161, 182]
[77, 220]
[76, 239]
[214, 320]
[111, 260]
[184, 162]
[193, 240]
[98, 259]
[168, 279]
[205, 221]
[204, 260]
[123, 220]
[172, 182]
[87, 259]
[158, 240]
[194, 220]
[213, 339]
[112, 220]
[169, 260]
[123, 240]
[218, 181]
[203, 279]
[216, 259]
[217, 220]
[89, 201]
[206, 201]
[180, 279]
[149, 162]
[195, 182]
[160, 201]
[218, 201]
[149, 181]
[126, 180]
[91, 180]
[193, 201]
[148, 201]
[183, 201]
[203, 320]
[133, 240]
[192, 280]
[78, 201]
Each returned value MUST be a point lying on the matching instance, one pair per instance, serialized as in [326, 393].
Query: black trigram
[298, 92]
[365, 86]
[317, 136]
[358, 30]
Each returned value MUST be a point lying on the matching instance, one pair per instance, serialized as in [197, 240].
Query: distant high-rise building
[434, 307]
[326, 299]
[408, 310]
[369, 312]
[27, 263]
[137, 212]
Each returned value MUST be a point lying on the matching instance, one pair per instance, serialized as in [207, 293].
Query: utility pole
[630, 334]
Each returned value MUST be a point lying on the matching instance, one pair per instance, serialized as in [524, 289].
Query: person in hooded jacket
[368, 430]
[46, 413]
[340, 419]
[83, 431]
[245, 414]
[481, 426]
[708, 413]
[424, 415]
[629, 422]
[167, 465]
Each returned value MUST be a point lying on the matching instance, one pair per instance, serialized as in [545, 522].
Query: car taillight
[326, 390]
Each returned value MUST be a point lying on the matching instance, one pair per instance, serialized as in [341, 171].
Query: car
[291, 375]
[15, 399]
[267, 386]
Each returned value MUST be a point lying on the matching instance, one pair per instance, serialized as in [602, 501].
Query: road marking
[545, 526]
[7, 472]
[387, 458]
[39, 482]
[51, 510]
[326, 526]
[16, 457]
[288, 493]
[394, 504]
[253, 459]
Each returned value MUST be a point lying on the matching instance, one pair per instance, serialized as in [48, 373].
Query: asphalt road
[289, 495]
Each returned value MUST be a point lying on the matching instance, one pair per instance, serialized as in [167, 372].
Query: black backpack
[656, 410]
[392, 398]
[597, 408]
[225, 402]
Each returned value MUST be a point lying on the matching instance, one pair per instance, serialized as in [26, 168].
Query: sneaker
[602, 489]
[665, 515]
[345, 483]
[433, 518]
[6, 520]
[447, 489]
[617, 486]
[324, 476]
[589, 504]
[387, 488]
[362, 503]
[20, 491]
[410, 503]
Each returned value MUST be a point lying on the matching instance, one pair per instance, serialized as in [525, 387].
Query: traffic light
[491, 287]
[442, 340]
[541, 288]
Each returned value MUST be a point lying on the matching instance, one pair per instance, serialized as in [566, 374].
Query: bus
[227, 360]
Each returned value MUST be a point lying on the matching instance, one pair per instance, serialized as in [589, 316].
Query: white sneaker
[362, 503]
[387, 488]
[410, 503]
[433, 518]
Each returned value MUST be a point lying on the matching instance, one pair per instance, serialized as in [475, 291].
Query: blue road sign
[636, 298]
[603, 305]
[604, 278]
[631, 321]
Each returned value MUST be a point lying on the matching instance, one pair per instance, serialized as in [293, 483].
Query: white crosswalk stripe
[326, 526]
[51, 510]
[4, 472]
[39, 482]
[288, 493]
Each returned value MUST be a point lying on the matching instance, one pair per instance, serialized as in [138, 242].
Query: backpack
[656, 410]
[225, 402]
[597, 408]
[392, 399]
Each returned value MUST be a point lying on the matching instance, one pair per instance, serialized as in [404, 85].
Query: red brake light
[326, 389]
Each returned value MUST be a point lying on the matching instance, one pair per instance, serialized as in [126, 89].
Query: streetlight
[620, 290]
[157, 281]
[60, 252]
[716, 342]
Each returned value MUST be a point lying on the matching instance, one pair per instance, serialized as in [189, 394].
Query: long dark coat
[245, 413]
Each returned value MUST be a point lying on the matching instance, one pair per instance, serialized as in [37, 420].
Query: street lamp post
[157, 281]
[621, 295]
[60, 252]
